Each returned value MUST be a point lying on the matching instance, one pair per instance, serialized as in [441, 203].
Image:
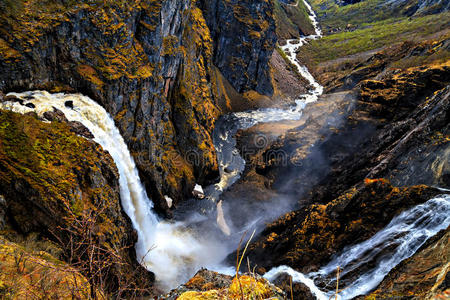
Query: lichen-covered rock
[66, 188]
[26, 273]
[212, 285]
[306, 239]
[244, 38]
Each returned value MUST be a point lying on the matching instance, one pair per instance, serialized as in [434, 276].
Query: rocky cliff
[385, 116]
[64, 188]
[244, 37]
[150, 64]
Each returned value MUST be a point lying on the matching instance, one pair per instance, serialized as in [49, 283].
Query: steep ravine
[153, 114]
[157, 67]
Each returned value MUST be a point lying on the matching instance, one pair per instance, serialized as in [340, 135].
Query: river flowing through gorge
[174, 251]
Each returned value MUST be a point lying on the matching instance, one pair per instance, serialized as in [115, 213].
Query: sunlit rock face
[150, 64]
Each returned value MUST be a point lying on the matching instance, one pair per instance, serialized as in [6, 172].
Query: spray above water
[400, 239]
[231, 164]
[169, 250]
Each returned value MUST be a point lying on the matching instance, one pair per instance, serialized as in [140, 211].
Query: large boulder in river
[62, 187]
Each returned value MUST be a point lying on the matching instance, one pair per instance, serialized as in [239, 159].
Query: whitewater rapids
[167, 249]
[405, 234]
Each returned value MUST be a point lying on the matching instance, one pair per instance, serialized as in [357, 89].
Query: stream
[174, 251]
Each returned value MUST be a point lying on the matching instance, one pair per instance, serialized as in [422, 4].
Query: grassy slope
[333, 16]
[377, 35]
[292, 19]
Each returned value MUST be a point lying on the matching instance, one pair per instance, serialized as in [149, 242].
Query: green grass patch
[333, 16]
[290, 19]
[377, 35]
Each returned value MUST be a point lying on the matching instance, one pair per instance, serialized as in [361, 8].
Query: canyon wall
[151, 64]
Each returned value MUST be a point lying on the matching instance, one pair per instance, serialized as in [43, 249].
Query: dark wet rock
[30, 105]
[65, 188]
[13, 98]
[2, 96]
[3, 211]
[307, 238]
[425, 275]
[68, 104]
[299, 291]
[55, 115]
[232, 22]
[80, 129]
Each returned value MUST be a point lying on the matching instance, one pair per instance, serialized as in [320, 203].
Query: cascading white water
[167, 249]
[226, 128]
[174, 253]
[400, 239]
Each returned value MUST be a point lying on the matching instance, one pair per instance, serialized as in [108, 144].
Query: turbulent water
[167, 249]
[231, 163]
[372, 259]
[174, 253]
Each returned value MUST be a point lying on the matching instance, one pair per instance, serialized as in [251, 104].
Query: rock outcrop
[65, 188]
[211, 285]
[306, 239]
[425, 275]
[244, 38]
[38, 274]
[150, 64]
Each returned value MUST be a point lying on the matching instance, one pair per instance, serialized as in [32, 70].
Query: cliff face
[150, 64]
[244, 37]
[59, 186]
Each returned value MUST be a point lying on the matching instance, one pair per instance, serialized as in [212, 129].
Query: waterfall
[400, 239]
[169, 250]
[227, 126]
[174, 252]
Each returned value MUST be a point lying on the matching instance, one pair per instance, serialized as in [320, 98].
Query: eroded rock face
[425, 275]
[244, 38]
[66, 188]
[306, 239]
[150, 64]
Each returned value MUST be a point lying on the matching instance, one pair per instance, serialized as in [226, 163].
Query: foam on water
[169, 250]
[400, 239]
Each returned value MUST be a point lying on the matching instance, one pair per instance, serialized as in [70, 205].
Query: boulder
[80, 129]
[55, 115]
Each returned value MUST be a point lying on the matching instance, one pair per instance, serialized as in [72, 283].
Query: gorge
[319, 203]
